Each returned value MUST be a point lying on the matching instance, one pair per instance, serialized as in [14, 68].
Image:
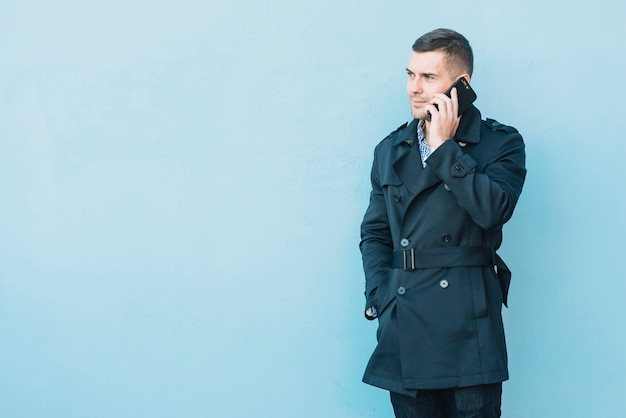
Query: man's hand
[371, 313]
[444, 118]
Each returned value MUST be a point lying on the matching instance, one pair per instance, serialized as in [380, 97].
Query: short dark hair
[459, 56]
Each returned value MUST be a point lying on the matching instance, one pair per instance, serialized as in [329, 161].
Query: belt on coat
[411, 259]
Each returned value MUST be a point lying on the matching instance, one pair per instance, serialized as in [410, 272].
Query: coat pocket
[479, 294]
[385, 294]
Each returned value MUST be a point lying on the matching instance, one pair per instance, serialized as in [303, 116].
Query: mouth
[418, 103]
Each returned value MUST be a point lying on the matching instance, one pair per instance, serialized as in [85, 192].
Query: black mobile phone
[464, 92]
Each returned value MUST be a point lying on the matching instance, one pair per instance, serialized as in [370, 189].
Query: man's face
[428, 75]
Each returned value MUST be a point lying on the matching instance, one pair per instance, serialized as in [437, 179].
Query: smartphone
[464, 92]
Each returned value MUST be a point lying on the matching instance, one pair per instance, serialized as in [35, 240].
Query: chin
[419, 115]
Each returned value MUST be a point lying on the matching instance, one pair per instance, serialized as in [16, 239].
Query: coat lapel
[408, 163]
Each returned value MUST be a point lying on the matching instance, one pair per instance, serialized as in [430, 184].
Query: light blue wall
[183, 182]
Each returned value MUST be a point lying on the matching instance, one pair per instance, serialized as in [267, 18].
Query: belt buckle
[409, 259]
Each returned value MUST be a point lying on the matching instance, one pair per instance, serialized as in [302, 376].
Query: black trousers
[482, 401]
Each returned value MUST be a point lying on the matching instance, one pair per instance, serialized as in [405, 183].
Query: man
[442, 188]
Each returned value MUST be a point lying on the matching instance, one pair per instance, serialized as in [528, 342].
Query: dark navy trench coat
[428, 241]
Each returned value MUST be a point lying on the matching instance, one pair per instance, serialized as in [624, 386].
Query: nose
[415, 85]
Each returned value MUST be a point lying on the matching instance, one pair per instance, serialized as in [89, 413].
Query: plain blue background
[183, 183]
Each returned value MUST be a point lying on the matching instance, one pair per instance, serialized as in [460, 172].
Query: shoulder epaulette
[404, 125]
[497, 126]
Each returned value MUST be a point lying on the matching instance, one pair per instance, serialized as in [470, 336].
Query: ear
[465, 76]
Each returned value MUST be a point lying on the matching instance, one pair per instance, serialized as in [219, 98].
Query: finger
[431, 110]
[454, 99]
[447, 105]
[442, 100]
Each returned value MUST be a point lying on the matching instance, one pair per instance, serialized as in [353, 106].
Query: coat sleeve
[488, 194]
[376, 244]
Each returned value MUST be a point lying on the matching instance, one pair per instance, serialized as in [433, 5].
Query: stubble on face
[428, 74]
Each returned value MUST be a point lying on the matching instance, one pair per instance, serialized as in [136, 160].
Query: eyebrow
[422, 74]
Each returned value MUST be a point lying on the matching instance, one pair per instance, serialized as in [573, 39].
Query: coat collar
[469, 128]
[468, 131]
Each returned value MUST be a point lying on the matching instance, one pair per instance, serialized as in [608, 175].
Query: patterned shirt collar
[425, 149]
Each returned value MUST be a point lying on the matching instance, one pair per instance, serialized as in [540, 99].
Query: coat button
[397, 197]
[458, 169]
[401, 290]
[444, 284]
[445, 186]
[446, 238]
[462, 144]
[404, 242]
